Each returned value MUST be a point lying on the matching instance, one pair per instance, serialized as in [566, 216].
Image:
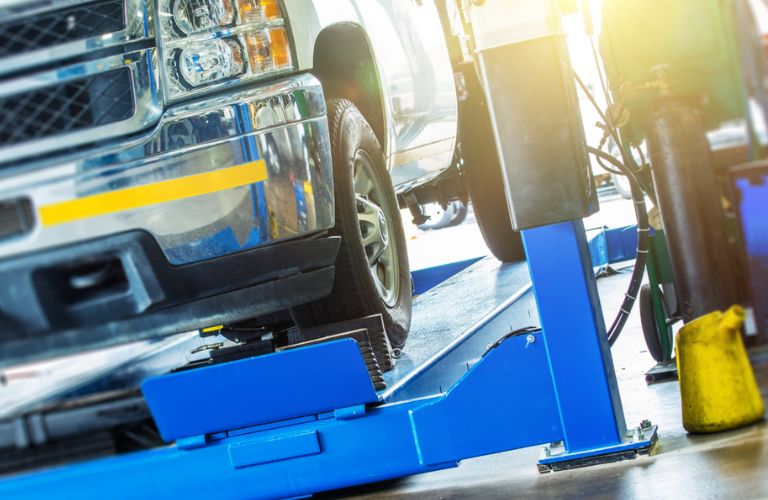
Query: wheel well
[344, 64]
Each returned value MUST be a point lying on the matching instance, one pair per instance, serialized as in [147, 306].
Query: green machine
[677, 71]
[690, 45]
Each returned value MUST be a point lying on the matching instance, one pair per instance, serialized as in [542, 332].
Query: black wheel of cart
[650, 321]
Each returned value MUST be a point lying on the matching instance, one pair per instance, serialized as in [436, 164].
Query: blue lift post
[579, 355]
[308, 420]
[575, 334]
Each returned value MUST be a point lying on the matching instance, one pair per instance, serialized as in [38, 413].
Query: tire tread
[352, 296]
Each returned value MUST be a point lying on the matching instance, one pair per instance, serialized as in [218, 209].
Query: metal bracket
[638, 441]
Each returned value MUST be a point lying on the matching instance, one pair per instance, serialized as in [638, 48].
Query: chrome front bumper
[214, 177]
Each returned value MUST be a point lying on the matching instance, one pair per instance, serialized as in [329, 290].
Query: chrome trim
[65, 74]
[140, 26]
[148, 102]
[283, 122]
[223, 107]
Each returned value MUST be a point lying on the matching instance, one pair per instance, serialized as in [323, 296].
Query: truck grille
[74, 73]
[16, 218]
[70, 106]
[61, 26]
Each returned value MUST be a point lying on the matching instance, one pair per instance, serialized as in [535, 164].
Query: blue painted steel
[434, 374]
[609, 246]
[254, 391]
[574, 330]
[454, 324]
[317, 433]
[274, 448]
[752, 185]
[505, 401]
[464, 423]
[598, 249]
[426, 279]
[621, 243]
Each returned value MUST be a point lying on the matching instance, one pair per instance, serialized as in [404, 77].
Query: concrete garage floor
[726, 465]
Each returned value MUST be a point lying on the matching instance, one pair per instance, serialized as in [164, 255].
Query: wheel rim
[376, 229]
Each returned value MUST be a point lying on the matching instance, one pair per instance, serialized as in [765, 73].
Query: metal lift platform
[500, 357]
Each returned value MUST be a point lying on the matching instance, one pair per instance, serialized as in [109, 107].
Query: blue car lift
[307, 420]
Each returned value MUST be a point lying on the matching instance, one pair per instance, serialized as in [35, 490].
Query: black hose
[601, 155]
[607, 168]
[628, 165]
[643, 228]
[643, 243]
[610, 128]
[603, 141]
[622, 168]
[642, 155]
[636, 281]
[629, 168]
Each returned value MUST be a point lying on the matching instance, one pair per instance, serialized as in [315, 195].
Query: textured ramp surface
[447, 314]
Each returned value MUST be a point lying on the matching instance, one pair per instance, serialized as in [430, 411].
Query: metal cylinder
[691, 210]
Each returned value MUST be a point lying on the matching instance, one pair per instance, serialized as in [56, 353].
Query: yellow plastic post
[717, 385]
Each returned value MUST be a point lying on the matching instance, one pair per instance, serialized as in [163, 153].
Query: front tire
[372, 273]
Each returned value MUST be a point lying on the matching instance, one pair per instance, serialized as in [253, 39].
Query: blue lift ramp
[481, 374]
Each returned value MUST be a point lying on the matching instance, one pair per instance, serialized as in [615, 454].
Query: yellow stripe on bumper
[153, 194]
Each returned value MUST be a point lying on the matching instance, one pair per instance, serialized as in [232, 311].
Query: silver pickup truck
[170, 165]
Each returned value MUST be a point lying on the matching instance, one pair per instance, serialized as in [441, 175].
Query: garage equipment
[494, 363]
[689, 201]
[474, 380]
[525, 68]
[750, 184]
[620, 244]
[717, 385]
[689, 79]
[658, 302]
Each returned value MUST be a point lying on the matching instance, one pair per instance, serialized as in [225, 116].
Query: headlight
[210, 43]
[210, 61]
[194, 17]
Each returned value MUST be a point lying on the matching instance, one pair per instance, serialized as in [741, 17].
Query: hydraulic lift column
[527, 77]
